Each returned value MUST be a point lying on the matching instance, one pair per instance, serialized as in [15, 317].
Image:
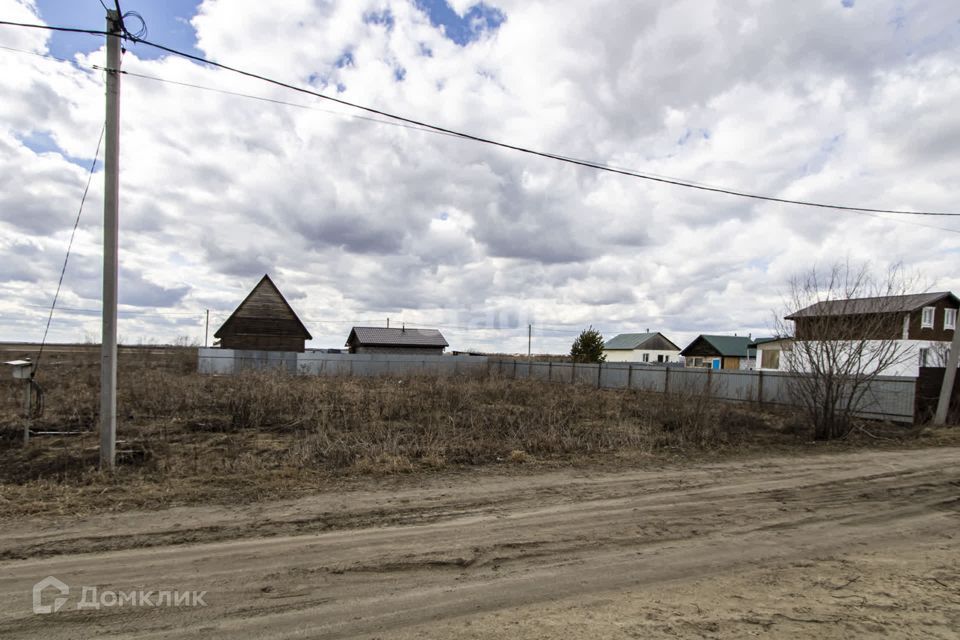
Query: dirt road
[832, 545]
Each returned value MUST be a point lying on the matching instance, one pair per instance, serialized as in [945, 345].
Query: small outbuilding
[720, 352]
[393, 340]
[264, 321]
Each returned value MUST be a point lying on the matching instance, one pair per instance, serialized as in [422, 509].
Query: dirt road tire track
[383, 563]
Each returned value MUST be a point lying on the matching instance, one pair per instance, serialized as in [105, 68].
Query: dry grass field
[186, 438]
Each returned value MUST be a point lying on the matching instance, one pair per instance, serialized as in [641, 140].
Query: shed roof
[630, 341]
[729, 346]
[394, 337]
[878, 304]
[264, 302]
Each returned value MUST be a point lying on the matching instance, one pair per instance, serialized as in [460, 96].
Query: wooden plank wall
[929, 382]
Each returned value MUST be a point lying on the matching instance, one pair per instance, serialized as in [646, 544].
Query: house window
[646, 357]
[949, 318]
[770, 359]
[926, 320]
[695, 362]
[661, 358]
[924, 356]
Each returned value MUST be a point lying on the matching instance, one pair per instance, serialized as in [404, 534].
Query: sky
[358, 220]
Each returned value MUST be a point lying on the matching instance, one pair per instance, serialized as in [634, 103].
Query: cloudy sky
[842, 101]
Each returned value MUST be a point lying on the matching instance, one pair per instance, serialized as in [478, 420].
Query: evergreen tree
[588, 347]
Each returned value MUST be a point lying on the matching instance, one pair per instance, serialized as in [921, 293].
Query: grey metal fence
[212, 360]
[887, 397]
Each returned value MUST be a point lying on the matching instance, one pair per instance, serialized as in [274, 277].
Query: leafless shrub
[843, 335]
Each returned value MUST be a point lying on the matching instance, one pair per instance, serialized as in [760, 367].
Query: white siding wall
[636, 355]
[909, 364]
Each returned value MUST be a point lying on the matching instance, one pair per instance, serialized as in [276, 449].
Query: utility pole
[949, 375]
[111, 201]
[529, 340]
[206, 329]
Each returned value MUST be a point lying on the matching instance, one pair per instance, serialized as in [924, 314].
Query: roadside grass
[185, 438]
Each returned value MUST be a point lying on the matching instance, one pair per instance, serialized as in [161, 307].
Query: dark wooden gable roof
[264, 312]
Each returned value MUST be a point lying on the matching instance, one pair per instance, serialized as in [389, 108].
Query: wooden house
[719, 352]
[264, 321]
[641, 347]
[394, 340]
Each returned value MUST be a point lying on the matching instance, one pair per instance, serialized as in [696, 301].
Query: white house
[652, 348]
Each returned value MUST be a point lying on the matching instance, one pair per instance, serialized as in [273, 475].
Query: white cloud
[358, 220]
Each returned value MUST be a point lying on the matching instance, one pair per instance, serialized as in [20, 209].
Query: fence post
[550, 371]
[599, 368]
[573, 373]
[629, 375]
[666, 380]
[514, 368]
[760, 386]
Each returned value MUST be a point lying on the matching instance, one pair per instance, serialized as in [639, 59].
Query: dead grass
[186, 438]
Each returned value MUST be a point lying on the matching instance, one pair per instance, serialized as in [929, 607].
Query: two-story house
[922, 324]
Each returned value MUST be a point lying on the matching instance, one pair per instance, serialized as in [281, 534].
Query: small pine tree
[588, 347]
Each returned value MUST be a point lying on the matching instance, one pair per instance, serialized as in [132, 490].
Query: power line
[66, 258]
[81, 310]
[543, 154]
[359, 117]
[47, 27]
[505, 145]
[353, 116]
[272, 100]
[356, 117]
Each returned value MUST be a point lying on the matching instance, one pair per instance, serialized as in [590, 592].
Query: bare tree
[845, 328]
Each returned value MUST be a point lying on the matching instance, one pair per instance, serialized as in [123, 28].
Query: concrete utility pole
[111, 201]
[206, 329]
[529, 341]
[949, 375]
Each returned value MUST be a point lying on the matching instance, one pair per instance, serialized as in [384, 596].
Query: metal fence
[886, 398]
[213, 360]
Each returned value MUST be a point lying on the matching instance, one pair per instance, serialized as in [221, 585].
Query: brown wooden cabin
[264, 321]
